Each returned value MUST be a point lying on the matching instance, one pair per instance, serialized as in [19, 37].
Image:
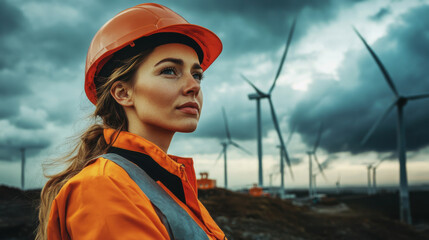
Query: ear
[122, 93]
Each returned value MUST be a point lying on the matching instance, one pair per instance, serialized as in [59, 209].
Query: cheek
[154, 96]
[200, 99]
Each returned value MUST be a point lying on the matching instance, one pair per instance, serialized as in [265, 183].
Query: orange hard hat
[140, 21]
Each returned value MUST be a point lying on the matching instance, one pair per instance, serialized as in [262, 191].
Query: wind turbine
[314, 190]
[23, 160]
[271, 179]
[225, 145]
[310, 162]
[337, 184]
[400, 102]
[282, 156]
[261, 95]
[369, 167]
[374, 168]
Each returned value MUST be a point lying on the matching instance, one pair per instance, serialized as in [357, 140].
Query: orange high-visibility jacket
[103, 202]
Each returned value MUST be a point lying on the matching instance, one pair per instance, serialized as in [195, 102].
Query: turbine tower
[400, 102]
[23, 160]
[225, 145]
[22, 167]
[282, 167]
[337, 184]
[310, 163]
[258, 95]
[282, 172]
[374, 168]
[314, 190]
[368, 168]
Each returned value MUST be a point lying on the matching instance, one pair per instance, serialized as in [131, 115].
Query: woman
[143, 73]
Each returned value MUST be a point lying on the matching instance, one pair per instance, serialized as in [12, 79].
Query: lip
[190, 108]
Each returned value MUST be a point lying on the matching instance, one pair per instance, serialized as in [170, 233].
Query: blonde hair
[91, 143]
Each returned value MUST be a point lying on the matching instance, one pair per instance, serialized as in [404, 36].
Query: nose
[192, 86]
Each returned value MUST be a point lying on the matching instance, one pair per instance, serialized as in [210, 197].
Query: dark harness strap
[177, 221]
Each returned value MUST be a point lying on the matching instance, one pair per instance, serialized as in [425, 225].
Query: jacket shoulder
[101, 176]
[102, 201]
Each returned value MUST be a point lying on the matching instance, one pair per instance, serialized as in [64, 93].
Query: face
[166, 92]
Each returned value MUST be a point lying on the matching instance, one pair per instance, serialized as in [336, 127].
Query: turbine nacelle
[253, 96]
[402, 101]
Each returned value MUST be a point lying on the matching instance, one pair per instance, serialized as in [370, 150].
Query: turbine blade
[240, 147]
[290, 135]
[228, 134]
[419, 96]
[319, 134]
[253, 85]
[218, 157]
[378, 164]
[220, 154]
[378, 122]
[276, 125]
[289, 39]
[287, 161]
[380, 65]
[320, 166]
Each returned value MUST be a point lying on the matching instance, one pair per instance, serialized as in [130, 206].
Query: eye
[198, 76]
[168, 71]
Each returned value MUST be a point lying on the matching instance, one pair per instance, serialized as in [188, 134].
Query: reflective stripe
[176, 220]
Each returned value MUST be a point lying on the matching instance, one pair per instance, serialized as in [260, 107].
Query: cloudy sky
[328, 77]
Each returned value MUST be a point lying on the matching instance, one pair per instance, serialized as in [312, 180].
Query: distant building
[204, 182]
[257, 191]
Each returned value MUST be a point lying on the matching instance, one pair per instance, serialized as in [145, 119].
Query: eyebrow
[178, 62]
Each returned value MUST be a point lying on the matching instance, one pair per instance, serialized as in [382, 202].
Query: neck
[159, 136]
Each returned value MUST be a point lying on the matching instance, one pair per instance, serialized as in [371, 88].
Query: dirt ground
[346, 216]
[18, 214]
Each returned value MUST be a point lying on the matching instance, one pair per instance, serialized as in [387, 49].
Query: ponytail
[91, 143]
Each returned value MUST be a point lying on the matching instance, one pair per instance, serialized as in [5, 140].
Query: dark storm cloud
[38, 52]
[383, 12]
[25, 123]
[11, 22]
[328, 161]
[10, 146]
[10, 85]
[24, 140]
[33, 54]
[28, 121]
[12, 88]
[256, 26]
[61, 115]
[9, 107]
[246, 28]
[62, 45]
[349, 108]
[11, 18]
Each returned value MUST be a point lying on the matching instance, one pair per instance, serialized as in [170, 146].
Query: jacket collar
[133, 142]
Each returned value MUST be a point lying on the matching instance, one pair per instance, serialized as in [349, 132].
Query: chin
[187, 127]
